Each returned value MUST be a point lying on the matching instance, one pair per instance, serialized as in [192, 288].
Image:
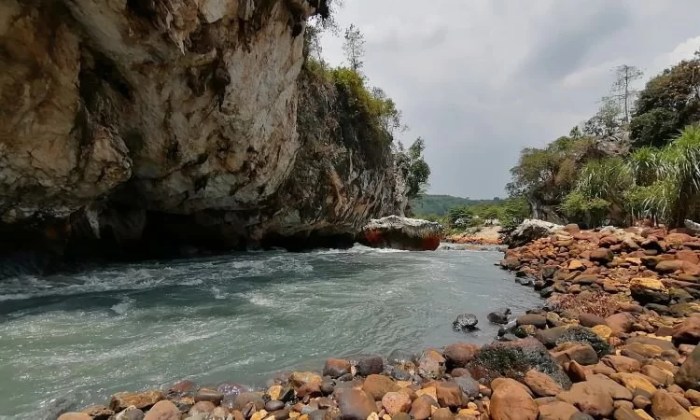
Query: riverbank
[616, 339]
[487, 235]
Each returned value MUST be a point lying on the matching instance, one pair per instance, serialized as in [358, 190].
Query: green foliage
[460, 216]
[413, 167]
[548, 175]
[669, 103]
[584, 210]
[440, 205]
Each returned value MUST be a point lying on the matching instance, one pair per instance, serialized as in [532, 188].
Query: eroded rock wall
[125, 121]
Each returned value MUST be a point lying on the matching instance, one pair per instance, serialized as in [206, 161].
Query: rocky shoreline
[616, 339]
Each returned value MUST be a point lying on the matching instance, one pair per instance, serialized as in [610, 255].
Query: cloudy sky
[481, 79]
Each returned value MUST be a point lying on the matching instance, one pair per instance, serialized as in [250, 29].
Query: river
[67, 341]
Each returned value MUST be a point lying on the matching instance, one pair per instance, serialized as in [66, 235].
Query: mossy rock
[513, 359]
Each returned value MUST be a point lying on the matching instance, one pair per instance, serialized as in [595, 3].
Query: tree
[606, 122]
[622, 88]
[354, 47]
[460, 216]
[669, 103]
[414, 168]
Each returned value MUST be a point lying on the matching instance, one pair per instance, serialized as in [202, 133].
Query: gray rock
[499, 316]
[465, 322]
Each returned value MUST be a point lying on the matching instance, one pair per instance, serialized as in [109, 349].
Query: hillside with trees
[637, 158]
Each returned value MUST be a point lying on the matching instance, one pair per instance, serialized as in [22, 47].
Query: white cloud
[480, 79]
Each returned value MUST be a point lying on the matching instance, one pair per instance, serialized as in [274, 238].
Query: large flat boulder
[402, 233]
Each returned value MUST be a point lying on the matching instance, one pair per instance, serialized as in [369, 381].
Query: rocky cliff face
[143, 123]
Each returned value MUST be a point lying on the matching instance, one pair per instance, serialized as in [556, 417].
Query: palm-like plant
[679, 170]
[663, 184]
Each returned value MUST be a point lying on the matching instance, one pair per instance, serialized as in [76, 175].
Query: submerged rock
[402, 233]
[465, 322]
[499, 316]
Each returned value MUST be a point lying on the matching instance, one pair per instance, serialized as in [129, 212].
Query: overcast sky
[481, 79]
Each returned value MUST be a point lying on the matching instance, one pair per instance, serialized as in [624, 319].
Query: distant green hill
[439, 204]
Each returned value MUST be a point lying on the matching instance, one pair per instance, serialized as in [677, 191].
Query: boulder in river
[465, 322]
[402, 233]
[499, 316]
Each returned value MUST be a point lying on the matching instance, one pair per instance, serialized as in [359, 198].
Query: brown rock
[693, 396]
[431, 364]
[74, 416]
[575, 372]
[512, 401]
[449, 394]
[688, 256]
[610, 387]
[377, 385]
[199, 407]
[637, 383]
[649, 290]
[626, 413]
[622, 363]
[602, 255]
[163, 410]
[421, 407]
[541, 384]
[303, 378]
[98, 412]
[579, 352]
[669, 266]
[459, 354]
[688, 332]
[140, 400]
[661, 376]
[589, 398]
[557, 410]
[206, 394]
[442, 414]
[396, 402]
[664, 406]
[640, 401]
[688, 376]
[539, 321]
[355, 404]
[620, 323]
[335, 368]
[590, 320]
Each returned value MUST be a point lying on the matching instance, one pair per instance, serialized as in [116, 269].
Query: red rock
[620, 323]
[396, 402]
[688, 256]
[335, 368]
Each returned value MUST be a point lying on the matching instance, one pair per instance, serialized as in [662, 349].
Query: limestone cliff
[134, 124]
